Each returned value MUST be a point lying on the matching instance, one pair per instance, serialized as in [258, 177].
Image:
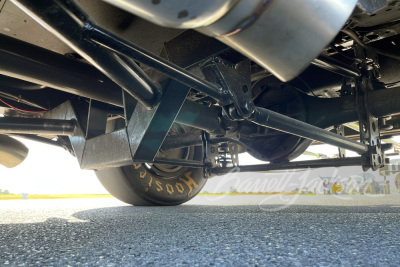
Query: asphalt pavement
[207, 231]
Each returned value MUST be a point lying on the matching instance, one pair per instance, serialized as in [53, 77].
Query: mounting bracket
[369, 128]
[139, 141]
[235, 81]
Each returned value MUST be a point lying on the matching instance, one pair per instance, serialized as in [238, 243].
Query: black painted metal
[130, 104]
[200, 116]
[34, 64]
[76, 110]
[111, 150]
[182, 140]
[10, 93]
[13, 83]
[31, 63]
[337, 67]
[40, 66]
[121, 46]
[66, 20]
[384, 102]
[108, 150]
[138, 142]
[235, 79]
[325, 112]
[114, 56]
[147, 129]
[320, 163]
[284, 123]
[37, 126]
[177, 162]
[97, 119]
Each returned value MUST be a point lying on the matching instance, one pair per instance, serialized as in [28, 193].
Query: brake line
[21, 110]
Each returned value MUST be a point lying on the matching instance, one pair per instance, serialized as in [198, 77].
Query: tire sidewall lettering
[185, 185]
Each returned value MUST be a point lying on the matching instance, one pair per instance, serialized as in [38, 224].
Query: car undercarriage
[159, 96]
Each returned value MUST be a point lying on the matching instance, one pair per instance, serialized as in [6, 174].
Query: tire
[135, 185]
[152, 185]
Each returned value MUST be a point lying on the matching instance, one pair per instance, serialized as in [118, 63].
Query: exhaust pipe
[283, 36]
[12, 152]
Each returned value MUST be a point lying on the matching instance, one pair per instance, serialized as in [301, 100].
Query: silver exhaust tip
[12, 151]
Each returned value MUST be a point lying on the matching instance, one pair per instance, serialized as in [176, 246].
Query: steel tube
[179, 162]
[40, 66]
[337, 67]
[193, 139]
[271, 119]
[5, 92]
[34, 64]
[125, 48]
[36, 126]
[319, 163]
[68, 22]
[181, 140]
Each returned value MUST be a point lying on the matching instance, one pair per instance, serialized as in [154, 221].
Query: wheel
[155, 184]
[141, 186]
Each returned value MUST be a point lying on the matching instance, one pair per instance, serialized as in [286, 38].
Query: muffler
[283, 36]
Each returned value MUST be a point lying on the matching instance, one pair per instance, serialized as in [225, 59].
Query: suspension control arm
[284, 123]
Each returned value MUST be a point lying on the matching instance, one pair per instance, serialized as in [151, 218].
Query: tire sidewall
[161, 191]
[138, 185]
